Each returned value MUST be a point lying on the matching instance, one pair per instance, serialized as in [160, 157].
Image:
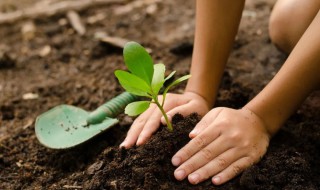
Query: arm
[227, 141]
[216, 26]
[298, 77]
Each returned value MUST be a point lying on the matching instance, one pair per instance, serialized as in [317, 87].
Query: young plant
[144, 79]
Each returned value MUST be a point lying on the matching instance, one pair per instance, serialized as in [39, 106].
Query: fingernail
[139, 142]
[176, 161]
[180, 174]
[163, 121]
[123, 145]
[194, 178]
[194, 132]
[216, 180]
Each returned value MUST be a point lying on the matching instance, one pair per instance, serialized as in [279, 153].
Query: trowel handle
[112, 108]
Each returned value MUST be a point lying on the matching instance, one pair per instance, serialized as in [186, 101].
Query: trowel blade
[65, 126]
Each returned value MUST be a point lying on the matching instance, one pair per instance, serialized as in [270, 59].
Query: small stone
[45, 51]
[94, 167]
[96, 18]
[28, 31]
[152, 9]
[30, 96]
[63, 22]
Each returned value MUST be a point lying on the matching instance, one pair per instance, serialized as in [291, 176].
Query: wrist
[258, 119]
[197, 95]
[270, 124]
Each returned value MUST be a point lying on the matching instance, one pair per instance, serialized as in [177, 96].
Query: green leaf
[138, 61]
[179, 80]
[158, 77]
[170, 75]
[136, 108]
[132, 83]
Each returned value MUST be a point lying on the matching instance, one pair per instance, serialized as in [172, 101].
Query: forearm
[216, 26]
[298, 77]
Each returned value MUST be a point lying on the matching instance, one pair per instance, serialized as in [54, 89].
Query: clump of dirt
[284, 167]
[144, 167]
[287, 165]
[6, 61]
[7, 112]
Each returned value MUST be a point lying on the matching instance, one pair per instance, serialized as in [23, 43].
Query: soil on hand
[52, 64]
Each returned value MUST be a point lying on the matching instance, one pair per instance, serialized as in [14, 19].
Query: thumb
[183, 110]
[205, 122]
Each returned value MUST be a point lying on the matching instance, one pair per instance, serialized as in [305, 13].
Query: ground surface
[59, 66]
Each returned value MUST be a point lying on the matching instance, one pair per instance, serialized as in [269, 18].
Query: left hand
[225, 142]
[149, 121]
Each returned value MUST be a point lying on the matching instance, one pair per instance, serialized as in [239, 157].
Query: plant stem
[169, 125]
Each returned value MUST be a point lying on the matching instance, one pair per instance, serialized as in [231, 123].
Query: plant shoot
[144, 79]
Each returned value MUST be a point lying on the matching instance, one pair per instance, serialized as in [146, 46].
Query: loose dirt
[59, 66]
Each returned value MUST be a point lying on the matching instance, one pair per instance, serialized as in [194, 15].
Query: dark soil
[78, 70]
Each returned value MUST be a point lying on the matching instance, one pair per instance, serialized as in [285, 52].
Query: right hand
[149, 121]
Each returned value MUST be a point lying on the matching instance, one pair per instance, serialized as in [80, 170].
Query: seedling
[144, 79]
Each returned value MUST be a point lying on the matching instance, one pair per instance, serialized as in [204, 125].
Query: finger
[183, 110]
[152, 124]
[215, 166]
[203, 157]
[232, 171]
[136, 128]
[195, 145]
[205, 122]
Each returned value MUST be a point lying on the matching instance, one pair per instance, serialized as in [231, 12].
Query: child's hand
[148, 122]
[225, 142]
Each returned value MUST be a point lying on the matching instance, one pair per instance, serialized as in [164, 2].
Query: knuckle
[186, 153]
[200, 141]
[152, 122]
[246, 144]
[224, 122]
[139, 121]
[153, 119]
[190, 167]
[222, 163]
[202, 125]
[236, 136]
[207, 154]
[236, 170]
